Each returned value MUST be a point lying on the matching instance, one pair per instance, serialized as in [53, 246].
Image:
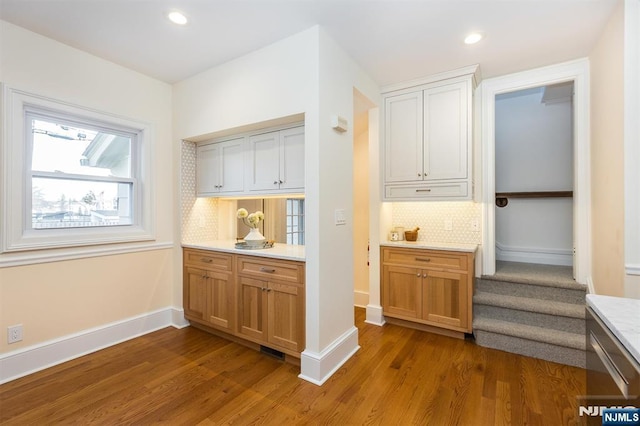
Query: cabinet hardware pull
[275, 182]
[206, 260]
[418, 275]
[264, 269]
[420, 259]
[423, 190]
[419, 174]
[268, 290]
[424, 275]
[281, 182]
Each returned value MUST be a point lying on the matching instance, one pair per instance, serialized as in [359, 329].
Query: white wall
[534, 152]
[361, 210]
[303, 74]
[58, 299]
[607, 156]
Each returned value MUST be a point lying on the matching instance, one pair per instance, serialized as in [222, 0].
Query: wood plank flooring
[399, 376]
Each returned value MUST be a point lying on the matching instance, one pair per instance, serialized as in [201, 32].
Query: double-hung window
[73, 176]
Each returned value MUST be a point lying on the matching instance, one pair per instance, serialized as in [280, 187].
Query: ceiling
[392, 40]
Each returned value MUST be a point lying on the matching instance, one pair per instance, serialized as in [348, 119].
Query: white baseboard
[534, 255]
[374, 315]
[28, 360]
[317, 368]
[360, 298]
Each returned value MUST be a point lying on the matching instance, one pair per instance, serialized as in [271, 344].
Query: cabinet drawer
[425, 258]
[269, 269]
[209, 260]
[427, 190]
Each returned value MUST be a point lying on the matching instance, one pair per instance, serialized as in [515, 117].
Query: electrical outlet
[14, 333]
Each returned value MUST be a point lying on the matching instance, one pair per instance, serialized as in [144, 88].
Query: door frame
[578, 72]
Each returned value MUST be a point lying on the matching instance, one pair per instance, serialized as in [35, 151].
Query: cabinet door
[401, 291]
[445, 299]
[207, 170]
[403, 138]
[286, 316]
[264, 162]
[252, 308]
[446, 132]
[292, 158]
[220, 308]
[195, 293]
[231, 165]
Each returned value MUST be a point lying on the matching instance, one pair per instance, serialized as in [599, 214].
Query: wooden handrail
[502, 198]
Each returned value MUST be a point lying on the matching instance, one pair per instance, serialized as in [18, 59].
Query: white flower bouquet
[252, 220]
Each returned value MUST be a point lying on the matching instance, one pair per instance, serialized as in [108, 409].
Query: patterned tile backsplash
[431, 217]
[199, 215]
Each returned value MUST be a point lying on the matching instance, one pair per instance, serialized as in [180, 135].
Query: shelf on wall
[502, 198]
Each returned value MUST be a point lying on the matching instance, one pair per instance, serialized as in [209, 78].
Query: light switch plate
[340, 218]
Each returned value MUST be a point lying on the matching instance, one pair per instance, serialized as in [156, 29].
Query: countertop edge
[278, 251]
[464, 248]
[624, 335]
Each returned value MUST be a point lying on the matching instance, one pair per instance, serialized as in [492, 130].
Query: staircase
[533, 310]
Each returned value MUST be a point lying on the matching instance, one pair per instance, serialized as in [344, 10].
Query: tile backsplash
[199, 215]
[432, 219]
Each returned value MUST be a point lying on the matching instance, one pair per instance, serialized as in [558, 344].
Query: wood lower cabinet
[258, 299]
[271, 302]
[430, 287]
[208, 288]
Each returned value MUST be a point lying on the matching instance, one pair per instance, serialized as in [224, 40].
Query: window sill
[46, 256]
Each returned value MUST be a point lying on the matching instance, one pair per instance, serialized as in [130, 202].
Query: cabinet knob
[281, 182]
[275, 182]
[419, 174]
[424, 275]
[418, 275]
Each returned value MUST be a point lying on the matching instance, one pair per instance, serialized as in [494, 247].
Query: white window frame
[15, 151]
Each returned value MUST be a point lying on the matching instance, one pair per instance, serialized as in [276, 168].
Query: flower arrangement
[252, 220]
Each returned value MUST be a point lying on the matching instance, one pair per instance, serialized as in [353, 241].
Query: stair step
[532, 333]
[570, 325]
[530, 273]
[548, 307]
[531, 348]
[545, 292]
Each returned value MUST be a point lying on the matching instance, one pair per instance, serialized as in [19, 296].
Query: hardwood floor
[399, 376]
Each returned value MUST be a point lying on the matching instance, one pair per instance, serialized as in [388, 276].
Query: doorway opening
[361, 199]
[534, 175]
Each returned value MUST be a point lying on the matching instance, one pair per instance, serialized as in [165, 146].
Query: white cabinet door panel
[403, 138]
[264, 162]
[445, 132]
[206, 169]
[292, 158]
[232, 165]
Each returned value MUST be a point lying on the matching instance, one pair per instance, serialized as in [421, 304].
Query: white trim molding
[375, 315]
[23, 362]
[360, 298]
[545, 256]
[318, 367]
[578, 72]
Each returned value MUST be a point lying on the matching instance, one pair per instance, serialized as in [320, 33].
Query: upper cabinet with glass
[266, 162]
[428, 138]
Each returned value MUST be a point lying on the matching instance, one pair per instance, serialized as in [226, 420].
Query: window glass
[80, 176]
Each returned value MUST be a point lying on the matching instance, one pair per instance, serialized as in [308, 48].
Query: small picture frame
[394, 236]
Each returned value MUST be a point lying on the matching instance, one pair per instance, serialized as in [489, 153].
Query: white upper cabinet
[428, 140]
[252, 164]
[276, 161]
[220, 168]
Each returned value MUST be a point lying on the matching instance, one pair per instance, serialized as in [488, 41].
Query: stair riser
[532, 291]
[571, 325]
[541, 350]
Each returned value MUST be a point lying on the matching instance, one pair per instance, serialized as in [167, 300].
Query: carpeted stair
[533, 310]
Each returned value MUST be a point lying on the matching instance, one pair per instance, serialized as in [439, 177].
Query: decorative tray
[253, 246]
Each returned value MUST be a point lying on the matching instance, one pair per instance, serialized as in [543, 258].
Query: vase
[254, 236]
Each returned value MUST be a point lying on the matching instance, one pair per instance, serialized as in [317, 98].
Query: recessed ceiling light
[473, 38]
[177, 18]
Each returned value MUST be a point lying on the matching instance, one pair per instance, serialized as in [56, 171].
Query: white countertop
[468, 248]
[622, 316]
[278, 251]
